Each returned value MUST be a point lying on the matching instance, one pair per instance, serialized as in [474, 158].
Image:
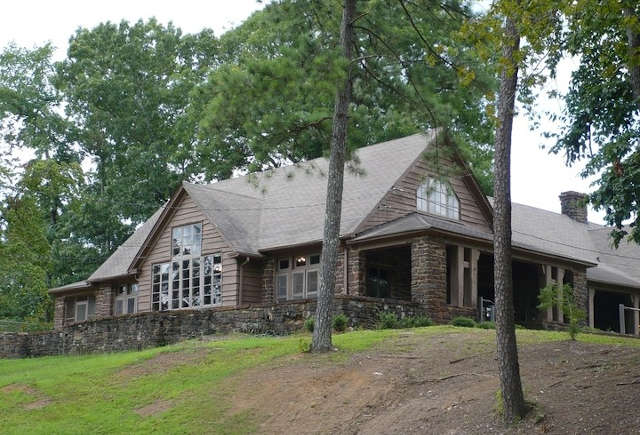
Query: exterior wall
[268, 274]
[58, 312]
[401, 199]
[104, 301]
[429, 280]
[187, 212]
[138, 331]
[252, 274]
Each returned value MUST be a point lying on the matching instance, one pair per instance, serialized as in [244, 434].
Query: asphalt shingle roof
[285, 207]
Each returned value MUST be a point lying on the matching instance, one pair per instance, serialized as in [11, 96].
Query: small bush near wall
[391, 321]
[466, 322]
[340, 322]
[309, 324]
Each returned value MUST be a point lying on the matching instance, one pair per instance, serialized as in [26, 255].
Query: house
[415, 226]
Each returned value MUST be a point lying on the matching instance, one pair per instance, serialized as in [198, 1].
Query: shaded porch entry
[527, 282]
[606, 315]
[388, 272]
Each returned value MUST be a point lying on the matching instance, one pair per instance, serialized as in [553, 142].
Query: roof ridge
[209, 187]
[294, 164]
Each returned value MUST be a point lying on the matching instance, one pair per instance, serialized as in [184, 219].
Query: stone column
[459, 272]
[58, 314]
[548, 281]
[559, 284]
[104, 302]
[429, 276]
[592, 294]
[475, 257]
[268, 276]
[357, 270]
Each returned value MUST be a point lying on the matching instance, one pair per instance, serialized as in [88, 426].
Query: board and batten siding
[401, 199]
[188, 212]
[252, 277]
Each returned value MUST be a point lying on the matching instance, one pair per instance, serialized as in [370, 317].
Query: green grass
[88, 395]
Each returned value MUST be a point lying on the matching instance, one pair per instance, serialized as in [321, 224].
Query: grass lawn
[101, 393]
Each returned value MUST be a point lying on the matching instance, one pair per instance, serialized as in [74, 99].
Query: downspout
[246, 261]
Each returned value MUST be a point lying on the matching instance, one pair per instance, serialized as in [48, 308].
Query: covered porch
[454, 278]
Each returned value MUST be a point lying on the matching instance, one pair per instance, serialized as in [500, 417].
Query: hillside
[436, 380]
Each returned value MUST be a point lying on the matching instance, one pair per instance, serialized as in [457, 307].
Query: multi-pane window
[437, 197]
[194, 283]
[126, 300]
[186, 240]
[80, 308]
[298, 277]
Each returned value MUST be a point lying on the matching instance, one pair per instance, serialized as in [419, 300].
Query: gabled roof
[117, 264]
[285, 207]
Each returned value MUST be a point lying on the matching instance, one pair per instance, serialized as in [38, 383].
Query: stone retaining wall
[138, 331]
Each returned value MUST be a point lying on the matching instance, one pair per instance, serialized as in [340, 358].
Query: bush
[387, 320]
[486, 325]
[414, 322]
[309, 324]
[466, 322]
[340, 322]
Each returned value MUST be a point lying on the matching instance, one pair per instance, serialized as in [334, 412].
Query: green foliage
[285, 78]
[387, 320]
[309, 324]
[466, 322]
[24, 261]
[340, 322]
[486, 325]
[549, 298]
[414, 322]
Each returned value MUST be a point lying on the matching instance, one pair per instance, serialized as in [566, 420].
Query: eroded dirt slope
[421, 383]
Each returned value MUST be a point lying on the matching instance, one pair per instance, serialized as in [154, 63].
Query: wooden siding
[187, 212]
[252, 275]
[401, 199]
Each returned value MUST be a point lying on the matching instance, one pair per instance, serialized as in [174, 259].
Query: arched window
[437, 197]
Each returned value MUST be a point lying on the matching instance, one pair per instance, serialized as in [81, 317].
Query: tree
[127, 88]
[509, 369]
[565, 302]
[601, 121]
[271, 100]
[333, 210]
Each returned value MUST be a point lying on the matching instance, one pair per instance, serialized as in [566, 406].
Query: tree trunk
[510, 383]
[633, 39]
[331, 238]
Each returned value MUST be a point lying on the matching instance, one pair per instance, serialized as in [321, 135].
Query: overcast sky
[537, 177]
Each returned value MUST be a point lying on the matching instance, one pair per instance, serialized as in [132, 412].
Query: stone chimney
[574, 205]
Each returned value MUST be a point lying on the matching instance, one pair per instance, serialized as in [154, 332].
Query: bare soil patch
[154, 408]
[418, 383]
[162, 363]
[41, 400]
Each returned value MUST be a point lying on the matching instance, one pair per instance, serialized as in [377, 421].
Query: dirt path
[419, 383]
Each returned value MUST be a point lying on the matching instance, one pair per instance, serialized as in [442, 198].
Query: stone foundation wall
[150, 329]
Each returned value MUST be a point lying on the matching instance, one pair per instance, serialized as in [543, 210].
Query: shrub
[466, 322]
[387, 320]
[567, 304]
[340, 322]
[406, 322]
[420, 321]
[486, 325]
[309, 324]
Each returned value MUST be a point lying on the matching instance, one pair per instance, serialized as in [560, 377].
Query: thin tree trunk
[510, 383]
[633, 39]
[331, 238]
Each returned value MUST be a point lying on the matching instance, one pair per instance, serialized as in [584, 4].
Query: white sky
[537, 177]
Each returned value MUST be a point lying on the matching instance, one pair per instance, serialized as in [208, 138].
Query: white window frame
[84, 304]
[290, 274]
[124, 294]
[186, 283]
[438, 197]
